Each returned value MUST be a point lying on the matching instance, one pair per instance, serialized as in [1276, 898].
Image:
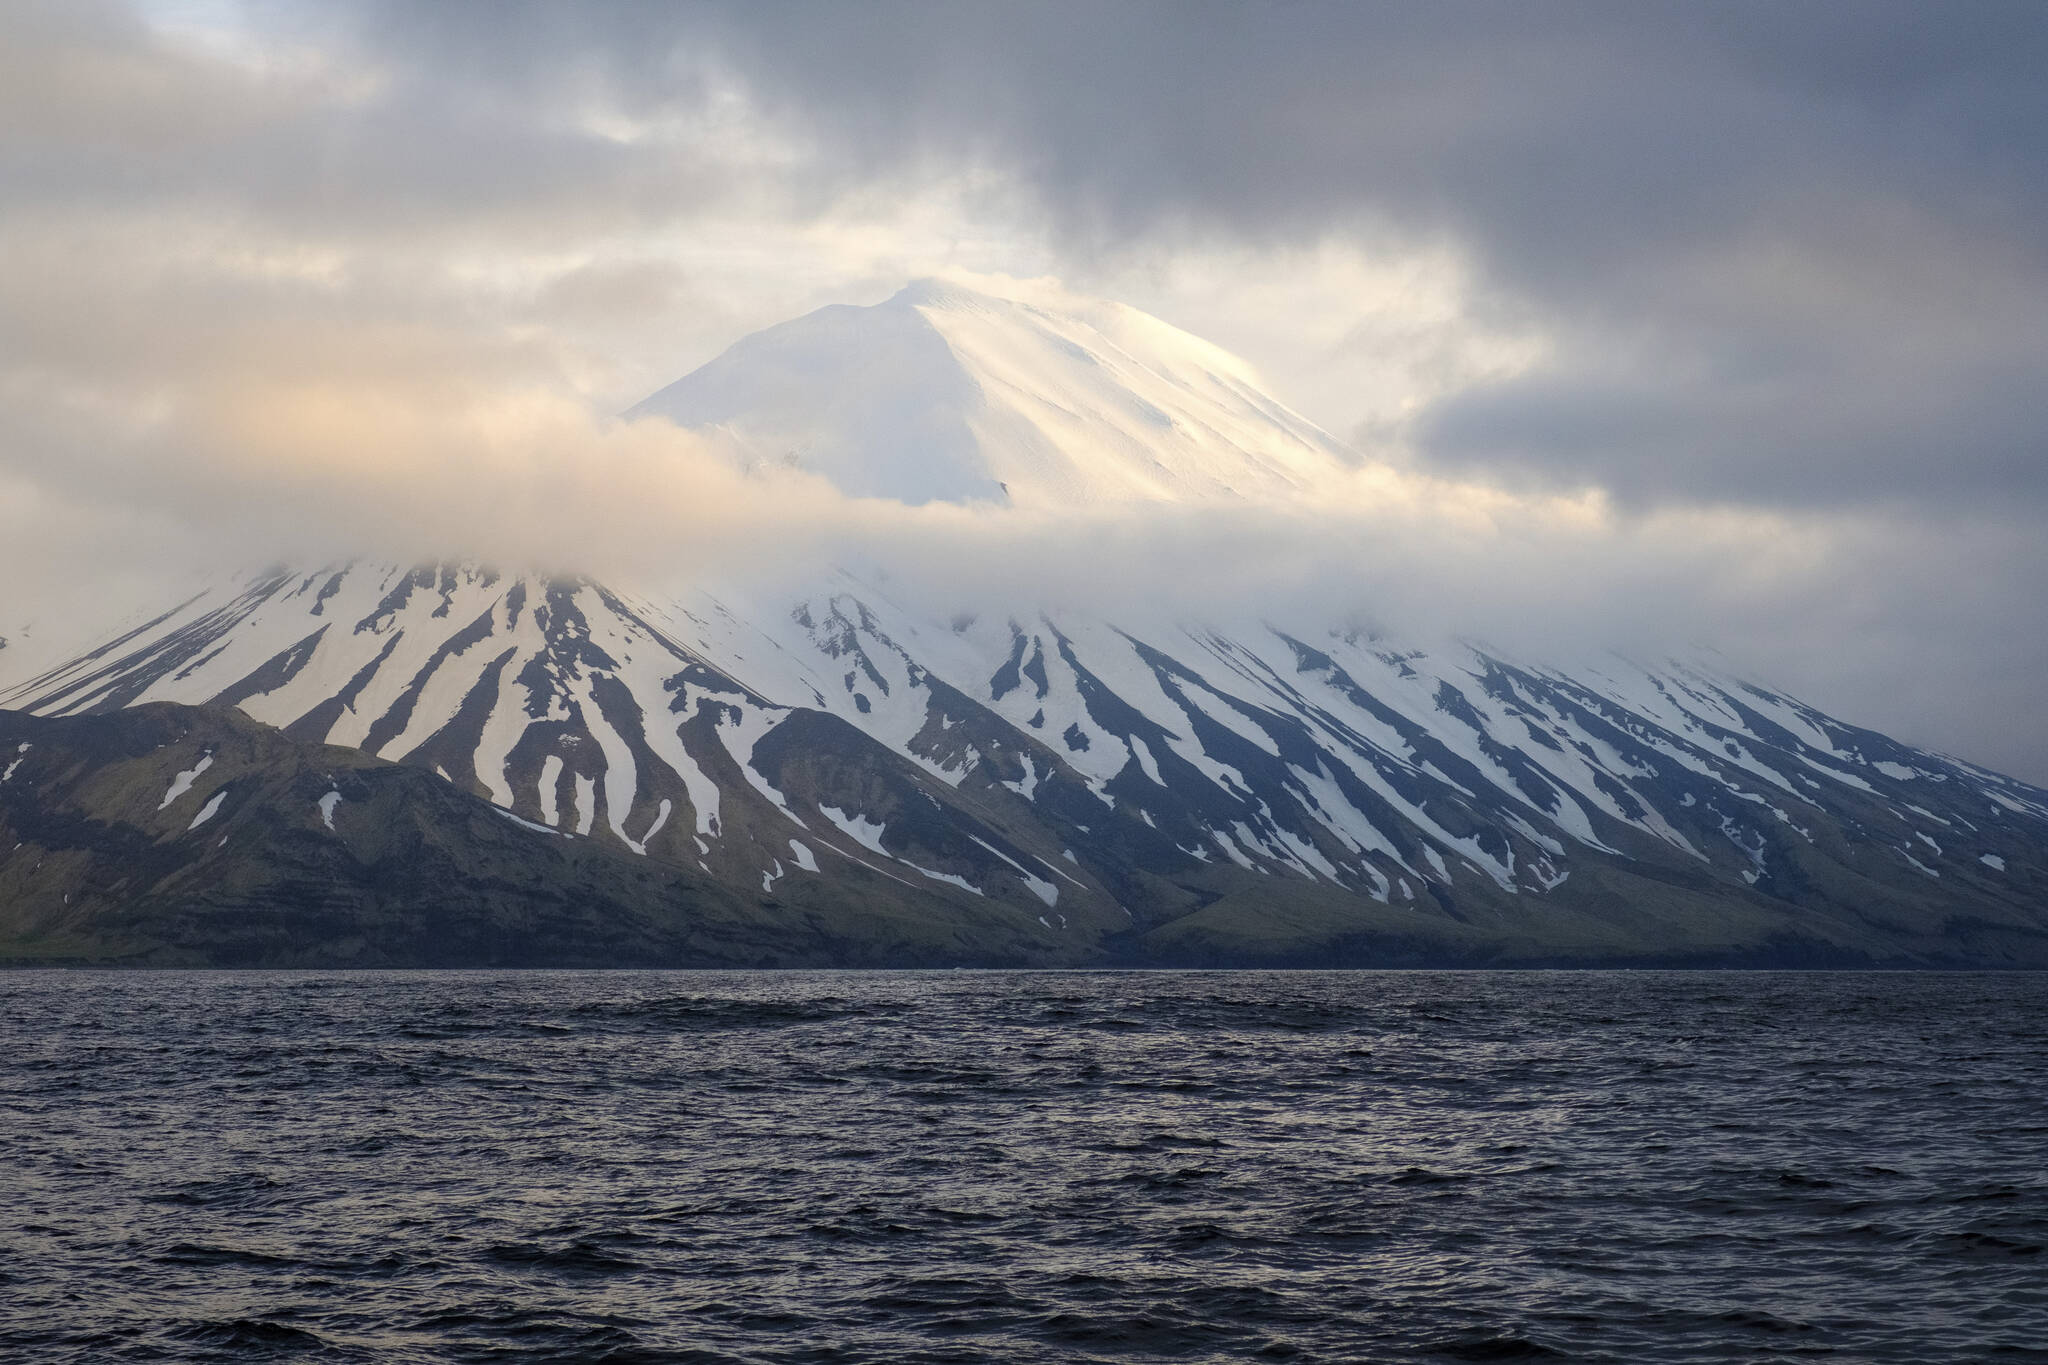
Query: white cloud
[273, 294]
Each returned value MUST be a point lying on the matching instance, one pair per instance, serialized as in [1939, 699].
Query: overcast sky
[1760, 290]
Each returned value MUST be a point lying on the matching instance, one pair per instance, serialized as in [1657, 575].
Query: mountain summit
[1037, 398]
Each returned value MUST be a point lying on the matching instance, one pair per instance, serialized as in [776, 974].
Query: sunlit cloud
[279, 281]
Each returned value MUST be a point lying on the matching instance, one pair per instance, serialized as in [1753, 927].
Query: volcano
[830, 776]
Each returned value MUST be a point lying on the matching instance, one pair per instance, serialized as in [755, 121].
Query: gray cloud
[1791, 259]
[1794, 254]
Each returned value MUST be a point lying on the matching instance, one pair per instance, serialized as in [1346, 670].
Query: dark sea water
[1023, 1166]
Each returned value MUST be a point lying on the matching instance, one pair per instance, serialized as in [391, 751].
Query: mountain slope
[167, 835]
[1063, 787]
[1156, 796]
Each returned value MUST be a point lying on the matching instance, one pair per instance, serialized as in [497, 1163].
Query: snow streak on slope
[1017, 758]
[945, 393]
[1103, 770]
[556, 699]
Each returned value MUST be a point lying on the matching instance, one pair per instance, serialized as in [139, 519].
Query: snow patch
[524, 824]
[1146, 762]
[1038, 886]
[951, 879]
[206, 812]
[182, 783]
[639, 846]
[1230, 849]
[550, 779]
[1917, 863]
[1029, 783]
[586, 803]
[863, 831]
[327, 804]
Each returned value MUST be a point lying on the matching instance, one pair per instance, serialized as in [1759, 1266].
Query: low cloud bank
[306, 468]
[300, 283]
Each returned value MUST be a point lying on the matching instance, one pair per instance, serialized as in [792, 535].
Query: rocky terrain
[445, 763]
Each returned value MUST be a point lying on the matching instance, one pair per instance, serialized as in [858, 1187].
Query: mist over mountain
[993, 694]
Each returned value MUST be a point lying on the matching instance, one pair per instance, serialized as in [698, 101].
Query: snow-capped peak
[1021, 393]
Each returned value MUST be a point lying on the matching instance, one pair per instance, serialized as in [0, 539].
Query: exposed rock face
[1090, 794]
[836, 778]
[178, 836]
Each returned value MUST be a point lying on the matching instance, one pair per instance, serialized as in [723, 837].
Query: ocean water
[903, 1167]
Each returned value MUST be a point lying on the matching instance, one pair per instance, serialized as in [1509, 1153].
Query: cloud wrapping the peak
[1722, 322]
[1817, 234]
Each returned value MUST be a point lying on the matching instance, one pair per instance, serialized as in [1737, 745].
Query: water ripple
[956, 1167]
